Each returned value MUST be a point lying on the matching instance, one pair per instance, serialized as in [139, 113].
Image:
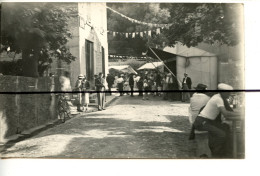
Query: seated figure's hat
[201, 87]
[223, 86]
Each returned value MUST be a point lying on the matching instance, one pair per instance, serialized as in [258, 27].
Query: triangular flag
[150, 33]
[158, 31]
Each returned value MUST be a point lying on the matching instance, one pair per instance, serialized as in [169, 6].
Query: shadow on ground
[114, 138]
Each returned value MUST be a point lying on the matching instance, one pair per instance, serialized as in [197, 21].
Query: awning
[163, 55]
[123, 68]
[151, 66]
[184, 51]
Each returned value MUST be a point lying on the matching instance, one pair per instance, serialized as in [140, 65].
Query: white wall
[95, 15]
[200, 70]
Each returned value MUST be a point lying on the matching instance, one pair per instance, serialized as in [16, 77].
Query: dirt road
[129, 128]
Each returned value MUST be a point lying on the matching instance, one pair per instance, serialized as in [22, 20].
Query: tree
[192, 23]
[146, 12]
[39, 31]
[205, 22]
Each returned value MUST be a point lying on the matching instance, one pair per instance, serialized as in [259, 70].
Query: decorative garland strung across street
[140, 22]
[126, 56]
[135, 34]
[141, 34]
[87, 21]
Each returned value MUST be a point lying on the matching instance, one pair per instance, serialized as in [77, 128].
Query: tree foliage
[146, 12]
[37, 30]
[192, 24]
[205, 22]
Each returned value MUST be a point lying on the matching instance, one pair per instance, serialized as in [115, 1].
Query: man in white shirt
[218, 131]
[197, 101]
[65, 82]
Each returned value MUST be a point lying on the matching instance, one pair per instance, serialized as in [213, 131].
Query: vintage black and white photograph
[128, 80]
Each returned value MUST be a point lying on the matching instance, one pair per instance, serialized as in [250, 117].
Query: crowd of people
[146, 83]
[149, 83]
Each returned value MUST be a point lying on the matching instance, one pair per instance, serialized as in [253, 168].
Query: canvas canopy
[200, 65]
[123, 68]
[151, 66]
[184, 51]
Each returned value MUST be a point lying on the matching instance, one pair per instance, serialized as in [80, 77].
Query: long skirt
[85, 98]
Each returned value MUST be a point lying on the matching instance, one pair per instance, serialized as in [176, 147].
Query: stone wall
[26, 109]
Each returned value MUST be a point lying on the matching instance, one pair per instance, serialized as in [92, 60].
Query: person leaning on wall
[197, 103]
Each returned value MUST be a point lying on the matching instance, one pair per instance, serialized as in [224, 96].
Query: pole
[154, 65]
[162, 62]
[165, 66]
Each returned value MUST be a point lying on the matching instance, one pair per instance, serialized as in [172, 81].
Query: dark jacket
[188, 82]
[131, 80]
[99, 83]
[110, 80]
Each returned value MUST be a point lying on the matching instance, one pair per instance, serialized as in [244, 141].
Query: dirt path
[129, 128]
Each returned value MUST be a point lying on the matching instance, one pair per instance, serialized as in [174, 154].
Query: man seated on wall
[219, 133]
[197, 102]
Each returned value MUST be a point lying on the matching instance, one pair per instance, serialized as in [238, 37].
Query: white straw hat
[223, 86]
[81, 76]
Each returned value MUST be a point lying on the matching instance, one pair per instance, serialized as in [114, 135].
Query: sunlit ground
[132, 128]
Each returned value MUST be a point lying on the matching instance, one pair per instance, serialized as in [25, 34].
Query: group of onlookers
[145, 82]
[152, 83]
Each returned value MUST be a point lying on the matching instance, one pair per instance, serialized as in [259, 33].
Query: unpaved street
[129, 128]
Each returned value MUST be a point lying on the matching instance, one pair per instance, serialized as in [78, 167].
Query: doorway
[89, 60]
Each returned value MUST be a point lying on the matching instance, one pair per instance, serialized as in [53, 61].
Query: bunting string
[141, 22]
[86, 20]
[135, 34]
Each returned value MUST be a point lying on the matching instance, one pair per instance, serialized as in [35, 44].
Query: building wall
[200, 70]
[231, 63]
[89, 24]
[93, 27]
[73, 45]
